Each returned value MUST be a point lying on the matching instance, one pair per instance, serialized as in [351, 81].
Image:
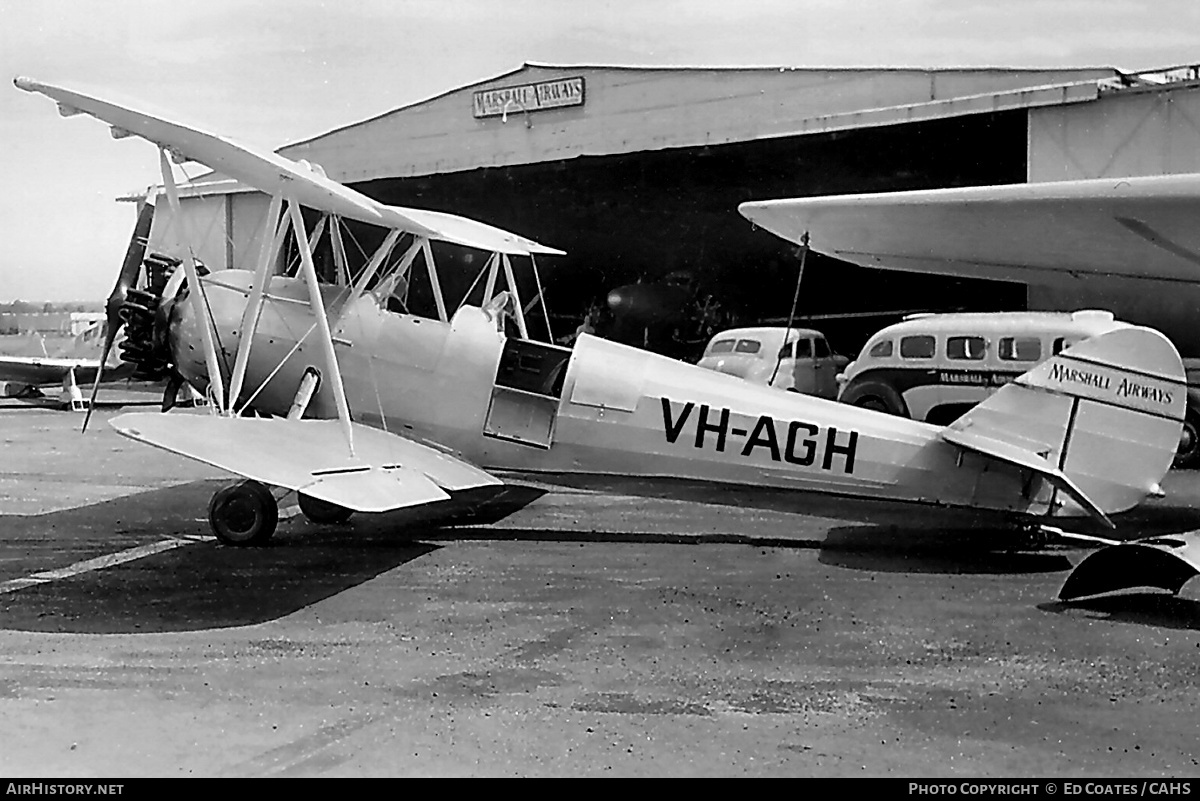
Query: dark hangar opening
[643, 216]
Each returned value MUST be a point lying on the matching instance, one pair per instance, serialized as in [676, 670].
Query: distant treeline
[27, 307]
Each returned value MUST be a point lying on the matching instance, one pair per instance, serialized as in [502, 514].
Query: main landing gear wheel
[243, 514]
[319, 511]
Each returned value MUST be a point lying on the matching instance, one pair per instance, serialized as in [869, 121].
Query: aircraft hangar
[637, 172]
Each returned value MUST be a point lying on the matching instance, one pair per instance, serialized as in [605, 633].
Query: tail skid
[1100, 422]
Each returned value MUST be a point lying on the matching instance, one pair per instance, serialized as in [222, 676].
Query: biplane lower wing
[388, 471]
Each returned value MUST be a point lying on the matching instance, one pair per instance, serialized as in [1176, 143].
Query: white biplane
[22, 376]
[320, 389]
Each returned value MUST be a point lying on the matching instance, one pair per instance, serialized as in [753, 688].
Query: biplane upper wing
[277, 175]
[1140, 227]
[266, 171]
[463, 231]
[386, 472]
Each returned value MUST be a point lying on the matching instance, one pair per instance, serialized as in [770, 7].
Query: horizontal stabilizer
[1014, 454]
[310, 456]
[1100, 421]
[1165, 563]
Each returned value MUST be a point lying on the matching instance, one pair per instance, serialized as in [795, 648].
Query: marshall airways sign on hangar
[528, 97]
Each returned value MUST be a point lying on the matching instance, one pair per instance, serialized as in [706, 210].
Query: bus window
[1059, 345]
[1020, 349]
[803, 348]
[971, 348]
[820, 348]
[918, 347]
[881, 350]
[722, 346]
[747, 346]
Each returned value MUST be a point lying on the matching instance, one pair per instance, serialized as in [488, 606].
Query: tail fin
[1101, 420]
[85, 344]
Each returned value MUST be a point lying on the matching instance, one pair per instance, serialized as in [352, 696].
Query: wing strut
[271, 239]
[199, 307]
[318, 309]
[364, 278]
[541, 297]
[431, 268]
[512, 287]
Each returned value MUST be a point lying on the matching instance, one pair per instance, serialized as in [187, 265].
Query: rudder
[1106, 412]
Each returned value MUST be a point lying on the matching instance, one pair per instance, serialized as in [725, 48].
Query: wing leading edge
[278, 175]
[1139, 227]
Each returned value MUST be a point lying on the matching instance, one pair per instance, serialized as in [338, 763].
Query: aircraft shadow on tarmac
[981, 550]
[196, 586]
[891, 549]
[877, 548]
[1144, 608]
[205, 585]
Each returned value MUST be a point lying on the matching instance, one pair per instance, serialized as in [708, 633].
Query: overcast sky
[270, 72]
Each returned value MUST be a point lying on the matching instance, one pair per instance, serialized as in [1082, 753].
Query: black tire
[243, 514]
[875, 395]
[1187, 455]
[874, 404]
[324, 512]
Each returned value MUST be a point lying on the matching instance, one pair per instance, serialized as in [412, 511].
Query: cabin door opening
[525, 399]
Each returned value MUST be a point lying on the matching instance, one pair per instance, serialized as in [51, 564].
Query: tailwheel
[319, 511]
[1037, 537]
[243, 514]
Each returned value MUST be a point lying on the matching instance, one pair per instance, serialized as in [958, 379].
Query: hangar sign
[529, 97]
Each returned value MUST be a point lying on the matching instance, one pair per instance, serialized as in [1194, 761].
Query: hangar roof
[546, 112]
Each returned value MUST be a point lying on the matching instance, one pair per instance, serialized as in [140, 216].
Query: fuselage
[600, 414]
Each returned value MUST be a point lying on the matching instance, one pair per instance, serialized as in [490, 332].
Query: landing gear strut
[243, 514]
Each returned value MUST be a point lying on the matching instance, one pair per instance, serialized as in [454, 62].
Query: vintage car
[800, 362]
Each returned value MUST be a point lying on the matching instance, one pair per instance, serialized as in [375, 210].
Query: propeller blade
[171, 392]
[126, 279]
[108, 340]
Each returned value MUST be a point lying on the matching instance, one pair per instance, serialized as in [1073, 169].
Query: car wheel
[1187, 455]
[874, 404]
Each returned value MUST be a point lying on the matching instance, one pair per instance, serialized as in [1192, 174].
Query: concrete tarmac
[587, 635]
